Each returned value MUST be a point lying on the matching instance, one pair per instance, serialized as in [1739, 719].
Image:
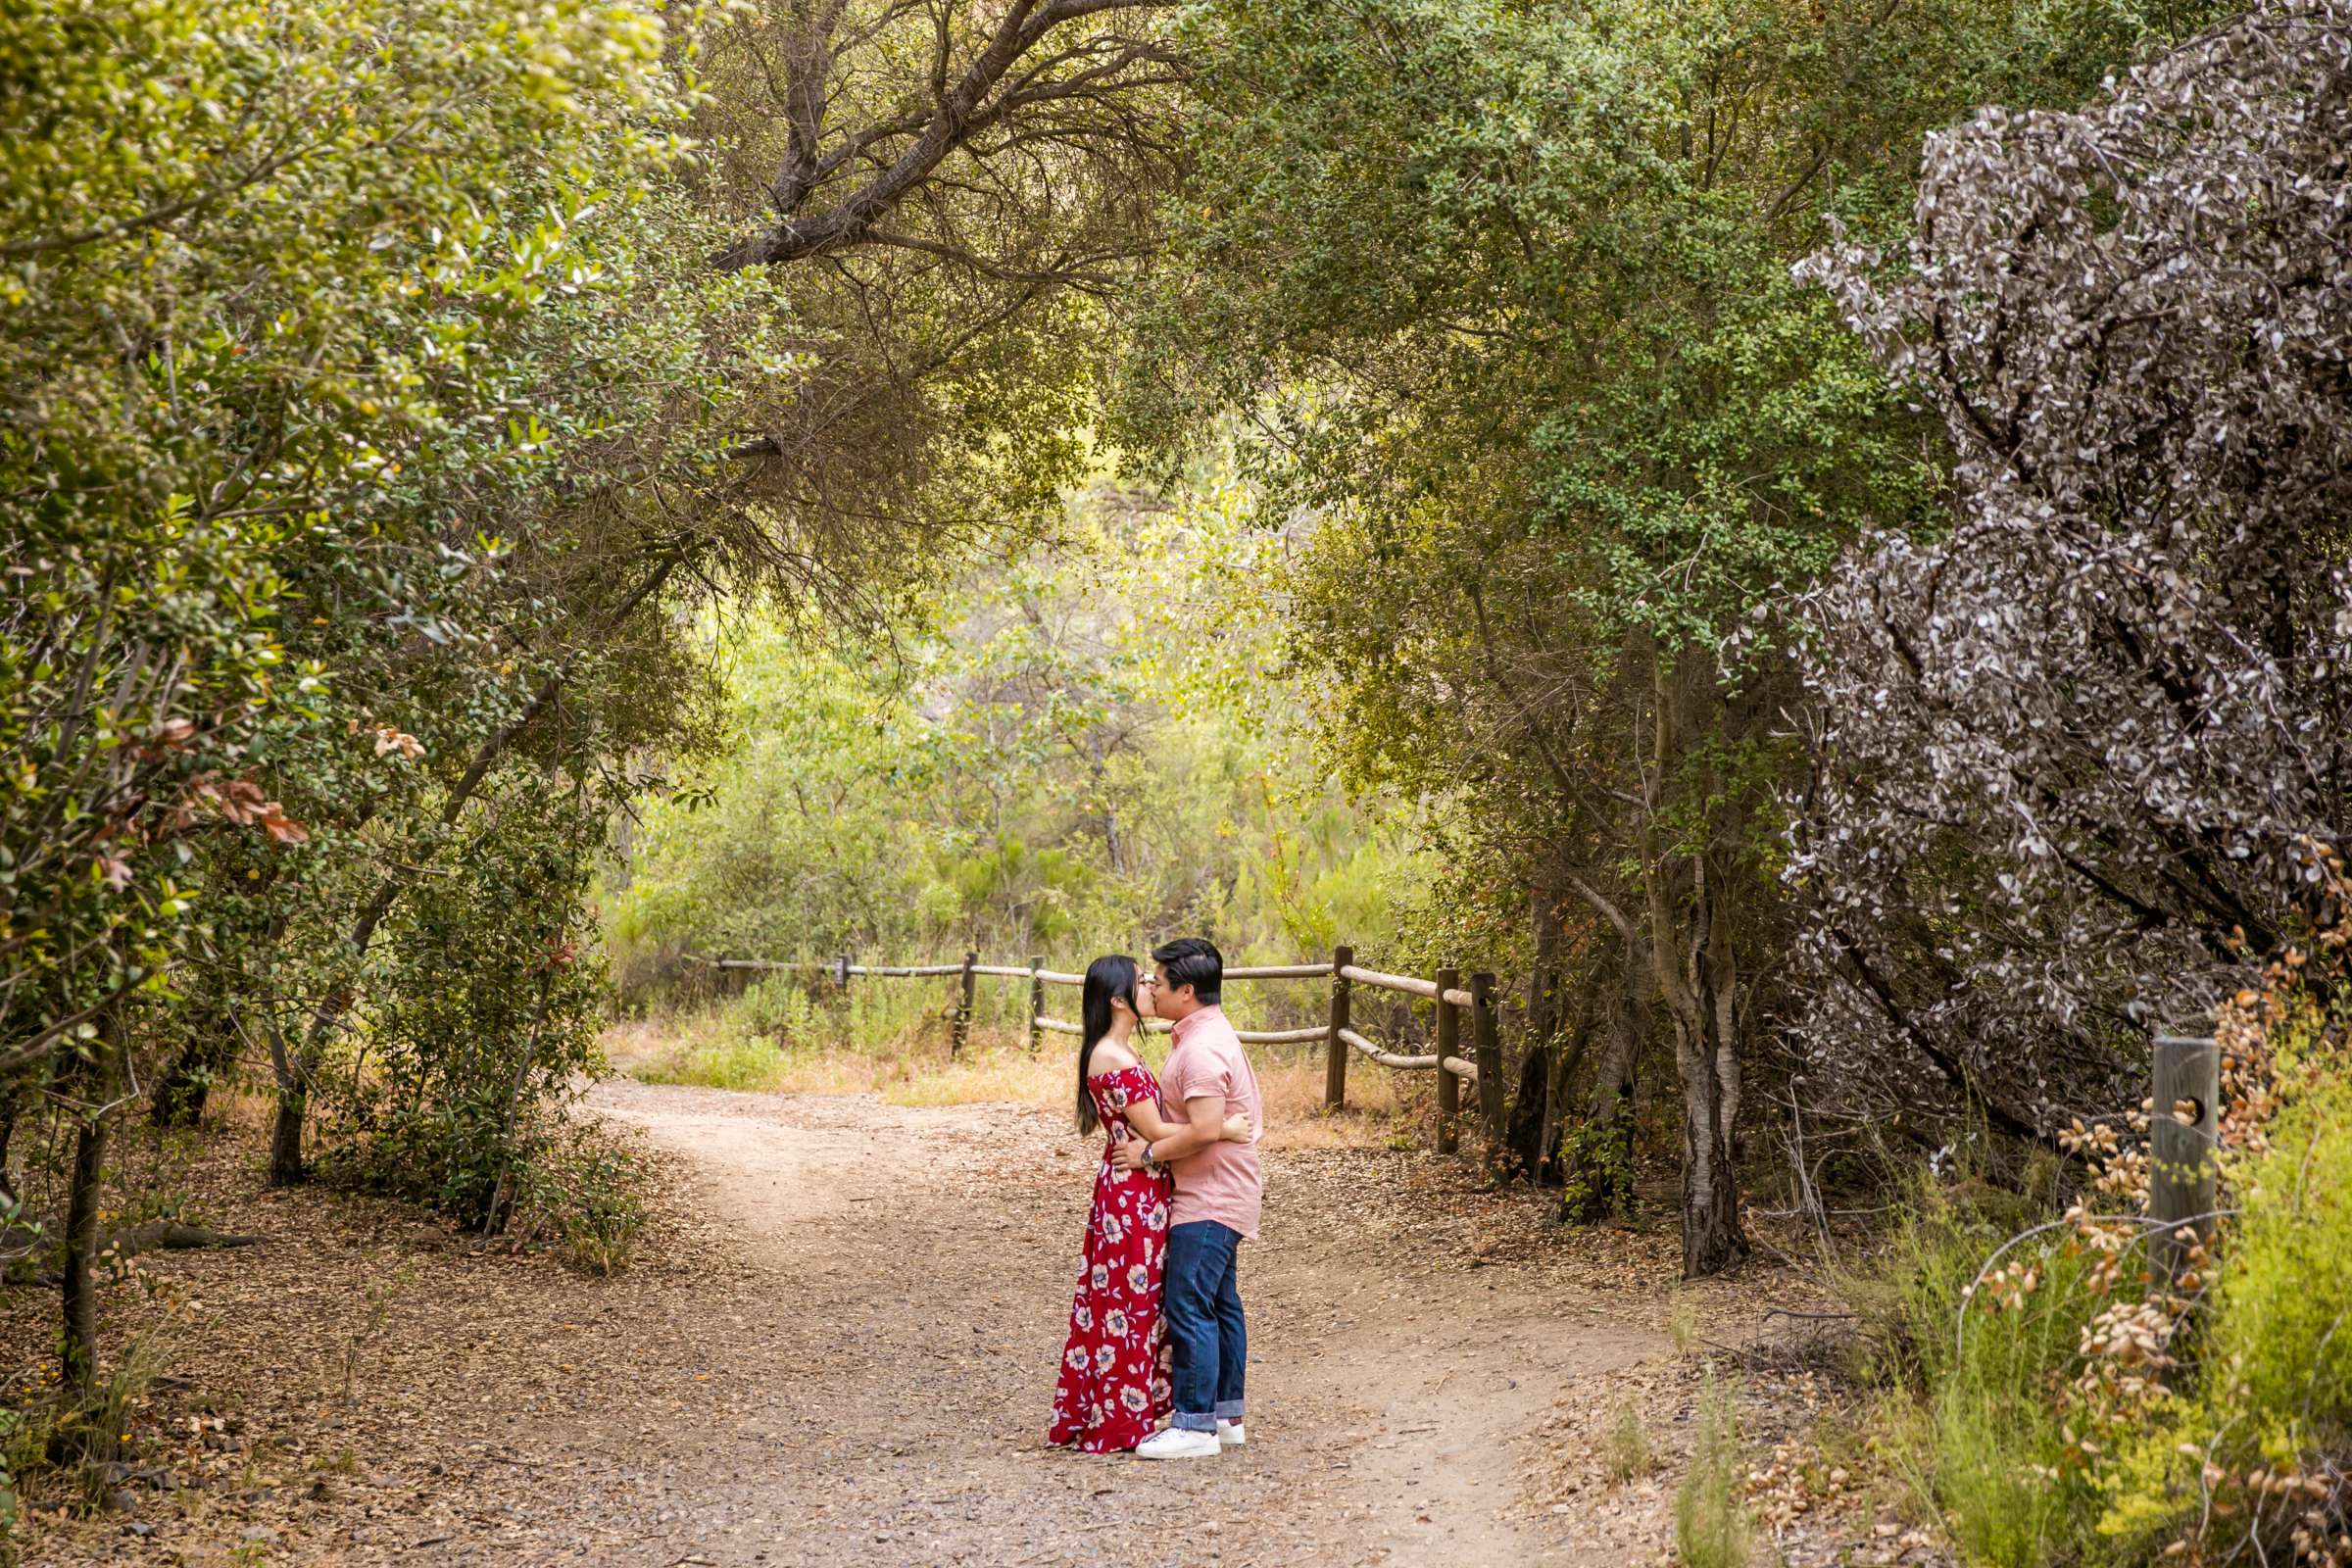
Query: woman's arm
[1142, 1116]
[1150, 1125]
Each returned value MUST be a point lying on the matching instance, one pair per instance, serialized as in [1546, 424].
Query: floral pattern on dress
[1115, 1373]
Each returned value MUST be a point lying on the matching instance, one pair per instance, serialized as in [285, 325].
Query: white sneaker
[1175, 1442]
[1231, 1435]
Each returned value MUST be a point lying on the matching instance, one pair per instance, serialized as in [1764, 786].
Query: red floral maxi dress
[1114, 1378]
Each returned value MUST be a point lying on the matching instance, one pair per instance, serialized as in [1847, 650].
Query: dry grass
[1624, 1451]
[995, 1069]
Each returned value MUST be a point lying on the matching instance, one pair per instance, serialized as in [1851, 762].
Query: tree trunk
[1599, 1178]
[8, 1133]
[1690, 952]
[77, 1291]
[80, 1291]
[286, 1168]
[1712, 1240]
[185, 1086]
[1532, 1132]
[1523, 1130]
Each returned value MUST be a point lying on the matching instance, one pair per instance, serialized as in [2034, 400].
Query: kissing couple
[1177, 1192]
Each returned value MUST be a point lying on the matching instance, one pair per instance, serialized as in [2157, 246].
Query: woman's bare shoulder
[1109, 1056]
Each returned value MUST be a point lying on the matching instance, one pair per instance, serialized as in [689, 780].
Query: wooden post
[1037, 1005]
[2181, 1167]
[962, 1035]
[841, 973]
[1449, 1088]
[1487, 1035]
[1334, 1064]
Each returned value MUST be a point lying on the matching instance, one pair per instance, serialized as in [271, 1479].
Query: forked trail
[896, 1329]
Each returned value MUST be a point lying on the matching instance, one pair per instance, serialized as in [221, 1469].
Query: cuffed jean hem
[1184, 1421]
[1228, 1409]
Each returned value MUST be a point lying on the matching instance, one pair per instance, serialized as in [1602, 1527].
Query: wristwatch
[1147, 1159]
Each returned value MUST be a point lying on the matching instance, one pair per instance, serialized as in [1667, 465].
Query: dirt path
[911, 1276]
[837, 1347]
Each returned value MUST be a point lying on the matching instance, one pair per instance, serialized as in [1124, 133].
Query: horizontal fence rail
[1482, 1068]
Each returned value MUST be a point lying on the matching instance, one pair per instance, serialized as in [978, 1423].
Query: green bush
[2052, 1408]
[753, 1063]
[776, 1006]
[483, 1016]
[2270, 1407]
[587, 1191]
[1970, 1414]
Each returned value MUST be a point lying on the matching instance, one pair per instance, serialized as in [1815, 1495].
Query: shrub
[777, 1007]
[1711, 1527]
[1626, 1452]
[2248, 1456]
[2060, 1406]
[720, 1061]
[1969, 1417]
[588, 1193]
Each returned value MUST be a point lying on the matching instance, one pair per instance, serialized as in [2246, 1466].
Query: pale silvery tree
[2071, 757]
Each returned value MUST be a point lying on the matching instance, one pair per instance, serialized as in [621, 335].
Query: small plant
[55, 1432]
[379, 1295]
[1711, 1527]
[586, 1192]
[1624, 1453]
[1681, 1324]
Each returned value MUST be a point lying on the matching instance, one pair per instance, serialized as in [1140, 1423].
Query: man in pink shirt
[1218, 1189]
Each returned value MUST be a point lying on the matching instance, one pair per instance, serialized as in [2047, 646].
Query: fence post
[962, 1035]
[1449, 1088]
[2182, 1174]
[1334, 1064]
[1487, 1035]
[841, 975]
[1037, 1005]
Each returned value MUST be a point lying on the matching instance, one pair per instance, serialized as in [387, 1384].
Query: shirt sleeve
[1218, 1080]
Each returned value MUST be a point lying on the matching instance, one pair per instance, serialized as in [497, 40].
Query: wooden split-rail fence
[1482, 1066]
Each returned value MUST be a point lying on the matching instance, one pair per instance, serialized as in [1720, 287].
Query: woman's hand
[1237, 1128]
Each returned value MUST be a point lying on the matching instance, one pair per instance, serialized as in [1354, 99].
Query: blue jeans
[1202, 1306]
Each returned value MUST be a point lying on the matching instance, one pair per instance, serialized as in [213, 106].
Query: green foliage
[307, 302]
[454, 1078]
[1598, 1161]
[360, 376]
[1711, 1526]
[11, 1426]
[1507, 292]
[588, 1190]
[1970, 1409]
[2273, 1397]
[2054, 1405]
[1078, 753]
[262, 331]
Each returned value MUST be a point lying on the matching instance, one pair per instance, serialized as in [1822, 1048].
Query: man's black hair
[1192, 962]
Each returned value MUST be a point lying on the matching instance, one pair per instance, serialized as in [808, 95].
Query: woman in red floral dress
[1115, 1380]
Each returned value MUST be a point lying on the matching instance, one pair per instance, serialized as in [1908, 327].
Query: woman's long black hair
[1112, 975]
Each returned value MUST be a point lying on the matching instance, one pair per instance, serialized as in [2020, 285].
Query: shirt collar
[1184, 1025]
